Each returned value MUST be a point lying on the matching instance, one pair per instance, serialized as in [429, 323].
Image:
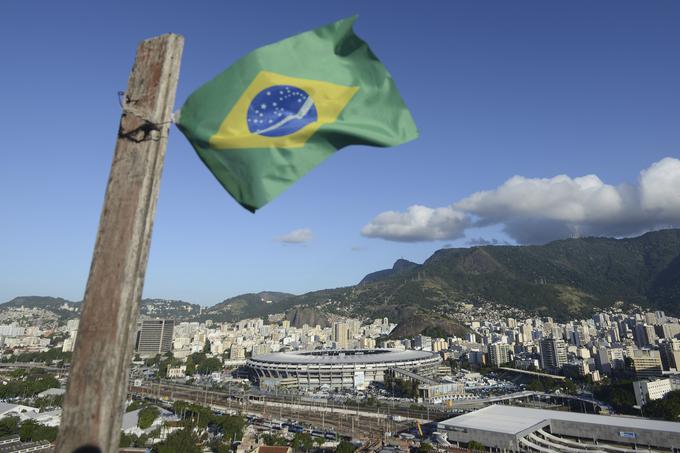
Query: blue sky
[498, 89]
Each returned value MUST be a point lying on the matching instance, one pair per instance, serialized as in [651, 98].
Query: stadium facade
[520, 429]
[337, 368]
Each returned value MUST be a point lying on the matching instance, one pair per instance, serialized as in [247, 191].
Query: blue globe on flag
[280, 110]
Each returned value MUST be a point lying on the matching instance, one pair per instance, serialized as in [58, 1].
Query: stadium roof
[343, 356]
[514, 420]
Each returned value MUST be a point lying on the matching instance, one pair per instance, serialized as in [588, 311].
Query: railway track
[422, 414]
[348, 422]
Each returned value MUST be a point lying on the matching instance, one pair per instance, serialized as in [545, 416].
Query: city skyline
[620, 360]
[535, 91]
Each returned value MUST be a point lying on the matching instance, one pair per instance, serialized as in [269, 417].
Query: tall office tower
[660, 316]
[422, 342]
[341, 335]
[650, 318]
[499, 353]
[155, 336]
[439, 344]
[617, 358]
[670, 354]
[526, 331]
[647, 363]
[669, 330]
[643, 335]
[557, 332]
[650, 331]
[614, 336]
[512, 323]
[602, 360]
[368, 343]
[623, 328]
[553, 353]
[575, 338]
[476, 357]
[354, 327]
[601, 320]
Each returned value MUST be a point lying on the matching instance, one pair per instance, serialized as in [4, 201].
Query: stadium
[337, 368]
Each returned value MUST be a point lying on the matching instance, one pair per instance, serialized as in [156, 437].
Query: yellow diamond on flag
[277, 111]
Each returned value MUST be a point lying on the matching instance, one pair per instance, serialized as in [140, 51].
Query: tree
[232, 426]
[425, 448]
[194, 414]
[29, 386]
[9, 426]
[344, 447]
[198, 357]
[302, 441]
[666, 408]
[620, 395]
[476, 446]
[569, 387]
[147, 416]
[275, 439]
[179, 407]
[31, 431]
[183, 440]
[217, 446]
[209, 366]
[133, 406]
[191, 366]
[166, 363]
[153, 361]
[130, 440]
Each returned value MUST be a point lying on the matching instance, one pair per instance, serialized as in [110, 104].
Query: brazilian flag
[282, 109]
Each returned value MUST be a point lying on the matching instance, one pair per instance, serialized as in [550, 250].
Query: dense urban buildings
[352, 358]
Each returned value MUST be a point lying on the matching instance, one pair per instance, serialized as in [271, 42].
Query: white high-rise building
[553, 354]
[499, 353]
[646, 391]
[341, 335]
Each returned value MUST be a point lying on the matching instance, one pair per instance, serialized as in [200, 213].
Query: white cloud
[560, 198]
[660, 189]
[299, 236]
[537, 210]
[418, 223]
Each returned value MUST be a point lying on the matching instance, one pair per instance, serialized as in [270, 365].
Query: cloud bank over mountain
[538, 210]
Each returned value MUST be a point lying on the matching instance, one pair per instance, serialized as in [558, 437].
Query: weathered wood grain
[96, 393]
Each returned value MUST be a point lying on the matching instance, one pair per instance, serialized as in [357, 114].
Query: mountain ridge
[562, 279]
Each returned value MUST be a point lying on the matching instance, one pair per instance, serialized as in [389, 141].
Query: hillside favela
[573, 346]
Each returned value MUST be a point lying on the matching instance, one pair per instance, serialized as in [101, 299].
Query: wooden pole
[97, 388]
